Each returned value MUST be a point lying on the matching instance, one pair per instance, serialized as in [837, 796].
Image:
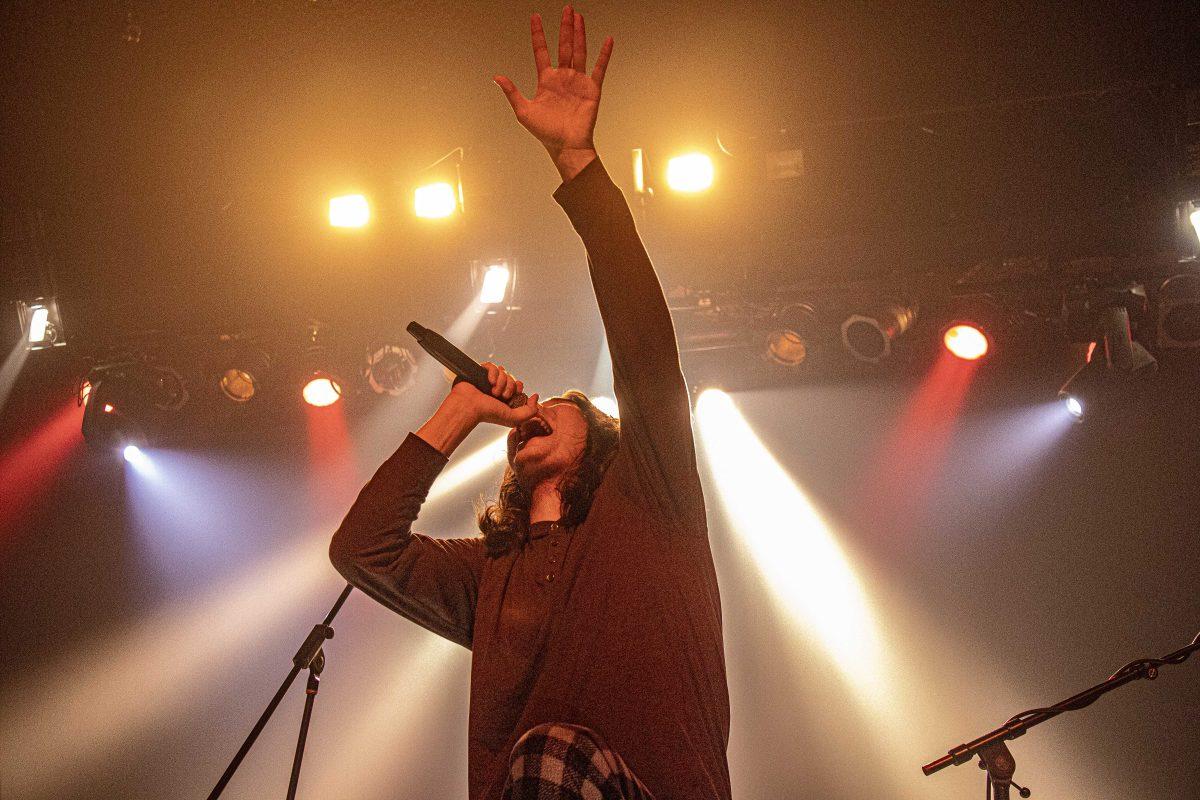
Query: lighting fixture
[966, 341]
[868, 336]
[114, 411]
[793, 334]
[1179, 311]
[437, 200]
[690, 173]
[349, 211]
[390, 369]
[1115, 362]
[245, 370]
[495, 284]
[40, 323]
[321, 390]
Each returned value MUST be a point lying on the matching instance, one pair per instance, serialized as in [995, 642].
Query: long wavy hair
[505, 521]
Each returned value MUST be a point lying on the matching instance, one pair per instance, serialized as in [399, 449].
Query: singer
[589, 602]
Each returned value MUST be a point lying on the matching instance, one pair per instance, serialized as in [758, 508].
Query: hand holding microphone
[504, 403]
[488, 390]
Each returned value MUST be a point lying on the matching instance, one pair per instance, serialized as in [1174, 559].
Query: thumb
[515, 98]
[526, 412]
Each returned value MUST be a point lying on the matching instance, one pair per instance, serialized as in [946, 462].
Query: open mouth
[532, 429]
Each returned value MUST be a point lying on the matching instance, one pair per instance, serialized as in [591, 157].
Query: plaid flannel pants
[568, 762]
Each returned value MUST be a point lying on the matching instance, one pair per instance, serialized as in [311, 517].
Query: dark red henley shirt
[614, 625]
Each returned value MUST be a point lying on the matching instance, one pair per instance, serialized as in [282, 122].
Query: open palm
[562, 113]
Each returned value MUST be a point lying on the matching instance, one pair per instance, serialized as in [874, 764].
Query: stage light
[246, 367]
[868, 336]
[792, 338]
[1115, 363]
[163, 386]
[349, 211]
[138, 459]
[966, 341]
[787, 348]
[690, 173]
[41, 325]
[321, 390]
[238, 385]
[390, 369]
[495, 284]
[116, 410]
[639, 171]
[436, 200]
[1195, 218]
[1179, 312]
[37, 324]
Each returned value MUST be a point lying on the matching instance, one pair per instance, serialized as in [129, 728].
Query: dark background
[182, 181]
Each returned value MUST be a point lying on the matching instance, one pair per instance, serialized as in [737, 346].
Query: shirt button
[549, 578]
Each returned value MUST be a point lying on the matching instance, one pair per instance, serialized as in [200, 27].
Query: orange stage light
[966, 341]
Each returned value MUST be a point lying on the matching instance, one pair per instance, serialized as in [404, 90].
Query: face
[549, 445]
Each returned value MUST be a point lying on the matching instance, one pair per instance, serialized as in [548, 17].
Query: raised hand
[562, 113]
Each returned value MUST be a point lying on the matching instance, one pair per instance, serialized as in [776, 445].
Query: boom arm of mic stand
[1145, 668]
[308, 655]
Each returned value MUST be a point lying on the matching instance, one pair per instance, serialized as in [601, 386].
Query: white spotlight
[1074, 407]
[495, 284]
[138, 460]
[41, 325]
[793, 546]
[37, 324]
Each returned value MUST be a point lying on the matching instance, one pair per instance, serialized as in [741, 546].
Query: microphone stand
[310, 656]
[994, 754]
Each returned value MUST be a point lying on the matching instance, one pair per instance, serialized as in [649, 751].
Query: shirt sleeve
[433, 582]
[657, 455]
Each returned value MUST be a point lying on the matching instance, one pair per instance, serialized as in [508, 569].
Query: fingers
[541, 55]
[602, 61]
[504, 385]
[515, 98]
[579, 46]
[566, 37]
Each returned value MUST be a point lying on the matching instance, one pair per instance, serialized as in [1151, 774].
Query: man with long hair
[590, 602]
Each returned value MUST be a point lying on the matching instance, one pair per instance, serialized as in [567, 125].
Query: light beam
[792, 545]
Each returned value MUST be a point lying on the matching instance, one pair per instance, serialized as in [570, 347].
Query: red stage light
[966, 341]
[321, 390]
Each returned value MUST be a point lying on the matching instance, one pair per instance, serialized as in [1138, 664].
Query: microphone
[458, 362]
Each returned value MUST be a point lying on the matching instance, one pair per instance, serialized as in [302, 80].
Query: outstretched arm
[656, 435]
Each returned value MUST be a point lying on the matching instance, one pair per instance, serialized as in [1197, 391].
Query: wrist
[449, 425]
[570, 161]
